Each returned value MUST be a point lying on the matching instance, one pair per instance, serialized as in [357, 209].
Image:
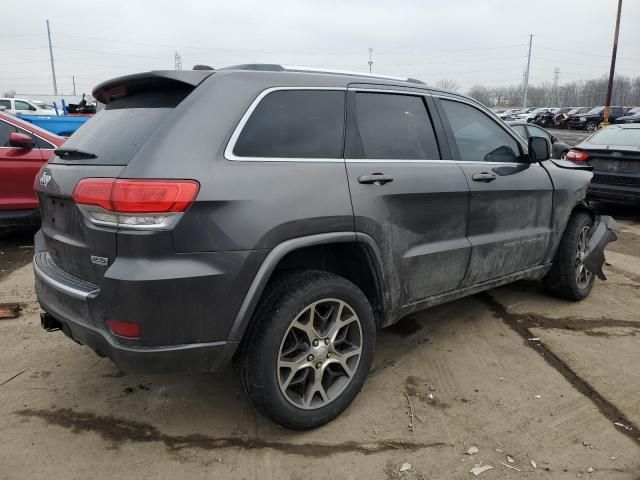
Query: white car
[26, 107]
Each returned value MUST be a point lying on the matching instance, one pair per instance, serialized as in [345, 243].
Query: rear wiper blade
[73, 154]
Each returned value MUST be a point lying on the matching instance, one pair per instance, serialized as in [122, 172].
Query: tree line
[581, 93]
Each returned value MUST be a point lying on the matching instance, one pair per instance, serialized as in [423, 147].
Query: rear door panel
[418, 220]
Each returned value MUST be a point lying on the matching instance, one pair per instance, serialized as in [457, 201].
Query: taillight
[124, 329]
[576, 155]
[141, 204]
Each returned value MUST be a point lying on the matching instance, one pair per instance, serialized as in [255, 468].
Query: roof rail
[270, 67]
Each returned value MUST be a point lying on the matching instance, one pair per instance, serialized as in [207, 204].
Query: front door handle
[485, 177]
[375, 179]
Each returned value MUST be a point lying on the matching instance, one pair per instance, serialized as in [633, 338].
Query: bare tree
[448, 84]
[9, 94]
[482, 94]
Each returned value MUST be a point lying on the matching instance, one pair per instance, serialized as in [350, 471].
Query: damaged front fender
[603, 231]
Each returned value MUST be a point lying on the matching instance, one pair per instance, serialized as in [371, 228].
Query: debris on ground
[510, 459]
[9, 310]
[510, 467]
[590, 470]
[534, 464]
[479, 469]
[534, 339]
[405, 467]
[472, 450]
[622, 425]
[499, 450]
[430, 396]
[411, 424]
[538, 396]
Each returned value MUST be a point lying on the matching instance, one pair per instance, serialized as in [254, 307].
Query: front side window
[395, 127]
[5, 130]
[478, 137]
[295, 124]
[23, 106]
[519, 129]
[538, 132]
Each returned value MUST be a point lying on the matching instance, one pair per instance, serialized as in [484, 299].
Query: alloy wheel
[583, 276]
[319, 354]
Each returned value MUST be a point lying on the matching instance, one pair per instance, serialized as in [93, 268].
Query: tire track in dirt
[521, 324]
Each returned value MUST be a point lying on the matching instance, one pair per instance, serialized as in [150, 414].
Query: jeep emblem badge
[45, 178]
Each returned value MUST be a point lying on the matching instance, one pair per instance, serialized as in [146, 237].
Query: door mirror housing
[538, 149]
[554, 139]
[21, 140]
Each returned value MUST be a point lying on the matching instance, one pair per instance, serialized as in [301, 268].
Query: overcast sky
[470, 41]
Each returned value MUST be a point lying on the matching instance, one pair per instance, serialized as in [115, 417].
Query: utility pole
[53, 68]
[370, 62]
[73, 78]
[607, 103]
[556, 78]
[178, 61]
[526, 75]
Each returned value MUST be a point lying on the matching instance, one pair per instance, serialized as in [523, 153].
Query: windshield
[595, 110]
[617, 136]
[634, 111]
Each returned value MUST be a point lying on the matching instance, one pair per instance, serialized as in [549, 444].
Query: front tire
[591, 126]
[309, 350]
[569, 278]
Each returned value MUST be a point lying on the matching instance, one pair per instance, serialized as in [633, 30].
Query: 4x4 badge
[102, 261]
[616, 154]
[45, 178]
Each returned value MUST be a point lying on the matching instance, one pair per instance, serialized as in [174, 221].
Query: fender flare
[259, 283]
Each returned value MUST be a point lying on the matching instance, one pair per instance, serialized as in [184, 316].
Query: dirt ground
[512, 372]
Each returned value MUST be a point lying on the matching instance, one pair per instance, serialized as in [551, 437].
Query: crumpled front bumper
[603, 231]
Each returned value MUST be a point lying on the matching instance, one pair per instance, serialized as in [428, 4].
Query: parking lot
[541, 387]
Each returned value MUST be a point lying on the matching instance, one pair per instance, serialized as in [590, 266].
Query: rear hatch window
[116, 133]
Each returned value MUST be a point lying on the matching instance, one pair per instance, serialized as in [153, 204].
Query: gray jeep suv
[279, 216]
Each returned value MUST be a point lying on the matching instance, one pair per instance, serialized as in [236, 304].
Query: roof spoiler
[123, 86]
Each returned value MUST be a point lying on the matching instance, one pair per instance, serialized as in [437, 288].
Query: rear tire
[568, 278]
[309, 350]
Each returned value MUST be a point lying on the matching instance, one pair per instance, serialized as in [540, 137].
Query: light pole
[612, 70]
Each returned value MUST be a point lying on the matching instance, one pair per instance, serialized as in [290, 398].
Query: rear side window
[395, 127]
[116, 133]
[477, 136]
[5, 103]
[295, 124]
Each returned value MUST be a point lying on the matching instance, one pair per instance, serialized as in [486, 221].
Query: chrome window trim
[228, 151]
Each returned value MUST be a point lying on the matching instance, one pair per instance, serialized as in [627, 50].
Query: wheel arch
[301, 252]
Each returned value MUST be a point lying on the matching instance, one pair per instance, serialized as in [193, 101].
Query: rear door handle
[375, 179]
[485, 177]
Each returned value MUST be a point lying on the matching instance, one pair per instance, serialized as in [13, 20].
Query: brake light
[134, 203]
[124, 329]
[576, 155]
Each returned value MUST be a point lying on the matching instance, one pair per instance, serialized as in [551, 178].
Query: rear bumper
[185, 305]
[202, 357]
[624, 194]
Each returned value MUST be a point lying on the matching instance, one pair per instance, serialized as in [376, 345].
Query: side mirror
[538, 149]
[554, 139]
[21, 140]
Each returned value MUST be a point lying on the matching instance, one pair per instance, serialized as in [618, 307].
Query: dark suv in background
[280, 216]
[589, 121]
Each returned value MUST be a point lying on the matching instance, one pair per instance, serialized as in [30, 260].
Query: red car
[24, 148]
